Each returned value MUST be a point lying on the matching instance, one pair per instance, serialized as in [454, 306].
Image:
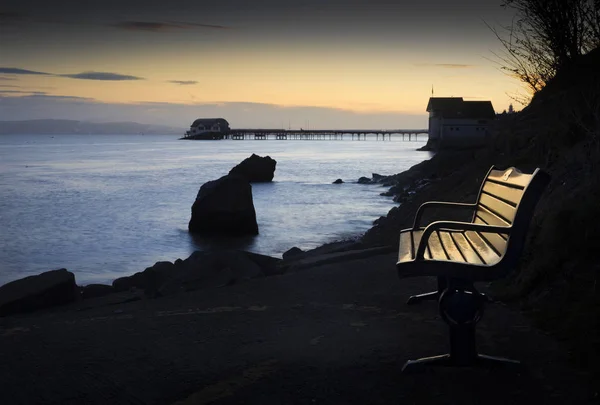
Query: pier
[315, 134]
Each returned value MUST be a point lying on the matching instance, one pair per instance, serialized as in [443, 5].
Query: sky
[270, 64]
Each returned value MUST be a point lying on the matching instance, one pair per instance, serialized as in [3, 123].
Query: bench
[462, 253]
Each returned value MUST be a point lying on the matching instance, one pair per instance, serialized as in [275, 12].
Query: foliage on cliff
[546, 37]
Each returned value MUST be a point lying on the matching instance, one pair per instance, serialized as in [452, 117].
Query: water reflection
[211, 242]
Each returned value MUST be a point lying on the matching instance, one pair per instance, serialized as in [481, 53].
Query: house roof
[210, 121]
[479, 109]
[444, 103]
[456, 107]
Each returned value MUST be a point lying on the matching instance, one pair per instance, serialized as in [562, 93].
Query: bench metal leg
[435, 295]
[463, 353]
[414, 299]
[445, 360]
[461, 307]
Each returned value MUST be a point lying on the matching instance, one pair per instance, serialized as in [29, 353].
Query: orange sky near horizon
[385, 67]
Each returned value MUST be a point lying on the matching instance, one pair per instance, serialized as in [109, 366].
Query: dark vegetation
[546, 37]
[559, 131]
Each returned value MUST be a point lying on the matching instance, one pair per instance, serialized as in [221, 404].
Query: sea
[107, 206]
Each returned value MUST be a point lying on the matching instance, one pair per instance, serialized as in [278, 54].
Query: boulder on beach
[256, 169]
[338, 181]
[95, 291]
[203, 269]
[211, 269]
[224, 206]
[148, 280]
[293, 252]
[48, 289]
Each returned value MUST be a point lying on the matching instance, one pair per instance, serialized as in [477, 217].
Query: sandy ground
[337, 334]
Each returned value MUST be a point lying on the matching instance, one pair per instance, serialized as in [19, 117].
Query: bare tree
[545, 37]
[592, 19]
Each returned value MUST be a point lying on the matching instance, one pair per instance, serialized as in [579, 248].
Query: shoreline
[146, 235]
[396, 186]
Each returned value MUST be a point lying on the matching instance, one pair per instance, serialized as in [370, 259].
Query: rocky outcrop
[224, 206]
[211, 269]
[95, 291]
[200, 270]
[338, 181]
[256, 169]
[148, 280]
[378, 178]
[375, 178]
[295, 251]
[56, 287]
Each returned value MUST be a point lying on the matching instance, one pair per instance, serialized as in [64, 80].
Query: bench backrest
[508, 198]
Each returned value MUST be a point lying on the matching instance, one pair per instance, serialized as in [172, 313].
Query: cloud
[146, 26]
[183, 82]
[454, 65]
[101, 76]
[212, 26]
[446, 65]
[39, 93]
[156, 26]
[4, 78]
[53, 98]
[8, 85]
[18, 71]
[83, 75]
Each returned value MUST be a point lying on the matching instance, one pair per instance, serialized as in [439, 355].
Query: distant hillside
[68, 127]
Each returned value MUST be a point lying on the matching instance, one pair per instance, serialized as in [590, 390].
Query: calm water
[108, 206]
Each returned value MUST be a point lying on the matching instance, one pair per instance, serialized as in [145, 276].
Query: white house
[216, 126]
[454, 122]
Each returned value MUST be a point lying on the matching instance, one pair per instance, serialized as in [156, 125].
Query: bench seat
[487, 247]
[450, 252]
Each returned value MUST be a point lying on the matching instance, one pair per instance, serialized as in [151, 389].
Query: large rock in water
[45, 290]
[256, 169]
[224, 206]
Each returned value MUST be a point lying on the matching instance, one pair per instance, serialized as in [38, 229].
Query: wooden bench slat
[498, 243]
[435, 247]
[409, 243]
[513, 195]
[484, 216]
[515, 179]
[497, 207]
[468, 252]
[487, 254]
[452, 250]
[405, 252]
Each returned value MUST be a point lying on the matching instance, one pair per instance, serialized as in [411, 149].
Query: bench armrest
[431, 204]
[461, 226]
